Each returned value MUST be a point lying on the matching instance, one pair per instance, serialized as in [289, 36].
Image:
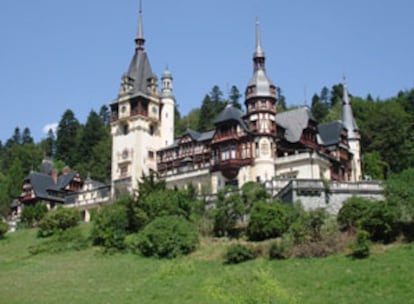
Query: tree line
[83, 147]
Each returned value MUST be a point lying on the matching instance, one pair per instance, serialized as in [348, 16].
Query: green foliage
[236, 254]
[68, 132]
[150, 183]
[167, 237]
[32, 215]
[165, 202]
[373, 165]
[382, 221]
[268, 221]
[352, 212]
[64, 240]
[280, 249]
[59, 219]
[110, 227]
[228, 213]
[361, 248]
[308, 225]
[3, 228]
[253, 192]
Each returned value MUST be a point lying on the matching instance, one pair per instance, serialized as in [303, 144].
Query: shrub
[360, 249]
[308, 225]
[382, 222]
[110, 227]
[64, 240]
[32, 215]
[238, 253]
[352, 212]
[168, 237]
[268, 221]
[228, 213]
[280, 249]
[3, 228]
[57, 220]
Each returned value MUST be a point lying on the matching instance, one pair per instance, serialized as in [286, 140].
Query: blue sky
[56, 55]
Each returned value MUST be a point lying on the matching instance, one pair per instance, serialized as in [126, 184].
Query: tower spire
[139, 40]
[347, 115]
[259, 49]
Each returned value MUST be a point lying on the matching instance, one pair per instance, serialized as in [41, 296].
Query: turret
[168, 109]
[354, 137]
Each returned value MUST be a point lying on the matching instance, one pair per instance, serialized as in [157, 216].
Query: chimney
[54, 175]
[66, 170]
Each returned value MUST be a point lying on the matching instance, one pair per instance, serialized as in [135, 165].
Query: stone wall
[322, 194]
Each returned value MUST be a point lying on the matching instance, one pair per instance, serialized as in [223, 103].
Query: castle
[293, 156]
[257, 145]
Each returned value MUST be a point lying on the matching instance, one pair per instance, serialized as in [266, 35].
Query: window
[151, 154]
[151, 130]
[125, 129]
[233, 151]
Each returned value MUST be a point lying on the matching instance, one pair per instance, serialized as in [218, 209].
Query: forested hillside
[387, 128]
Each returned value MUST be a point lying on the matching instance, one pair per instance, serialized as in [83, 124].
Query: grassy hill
[88, 276]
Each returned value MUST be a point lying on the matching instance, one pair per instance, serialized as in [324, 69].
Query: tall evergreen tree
[27, 137]
[67, 138]
[104, 114]
[207, 114]
[235, 97]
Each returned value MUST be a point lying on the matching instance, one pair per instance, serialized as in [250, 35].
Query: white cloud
[52, 126]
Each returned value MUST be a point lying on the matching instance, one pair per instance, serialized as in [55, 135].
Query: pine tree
[67, 138]
[27, 137]
[235, 97]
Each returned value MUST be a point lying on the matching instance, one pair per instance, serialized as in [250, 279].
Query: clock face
[123, 109]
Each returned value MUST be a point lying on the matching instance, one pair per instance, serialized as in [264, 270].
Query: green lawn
[90, 277]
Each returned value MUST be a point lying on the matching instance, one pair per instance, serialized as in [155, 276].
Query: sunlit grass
[88, 276]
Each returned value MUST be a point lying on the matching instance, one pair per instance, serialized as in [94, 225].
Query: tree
[48, 145]
[207, 115]
[104, 114]
[319, 108]
[27, 137]
[229, 211]
[67, 138]
[93, 132]
[281, 106]
[234, 97]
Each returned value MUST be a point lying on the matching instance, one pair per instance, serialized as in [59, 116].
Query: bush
[110, 227]
[167, 237]
[280, 249]
[3, 228]
[65, 240]
[268, 221]
[228, 213]
[238, 253]
[32, 215]
[58, 219]
[352, 212]
[360, 249]
[308, 225]
[382, 222]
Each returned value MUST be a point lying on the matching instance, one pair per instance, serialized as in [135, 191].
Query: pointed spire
[259, 49]
[140, 34]
[347, 115]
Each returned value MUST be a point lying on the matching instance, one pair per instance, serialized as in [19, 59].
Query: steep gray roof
[347, 115]
[41, 183]
[193, 134]
[330, 133]
[206, 135]
[294, 122]
[140, 69]
[260, 81]
[231, 113]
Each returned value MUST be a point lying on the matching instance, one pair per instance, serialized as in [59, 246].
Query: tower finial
[140, 34]
[259, 50]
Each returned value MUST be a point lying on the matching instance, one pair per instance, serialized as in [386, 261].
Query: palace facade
[259, 144]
